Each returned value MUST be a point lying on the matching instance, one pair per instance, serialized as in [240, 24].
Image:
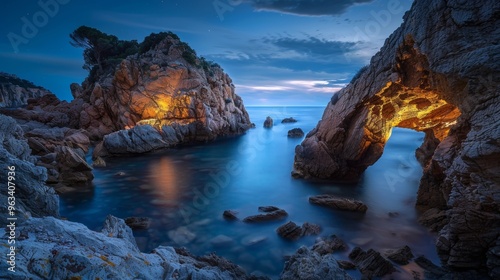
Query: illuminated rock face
[161, 88]
[437, 73]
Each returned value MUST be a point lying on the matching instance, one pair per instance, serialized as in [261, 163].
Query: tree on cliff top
[100, 48]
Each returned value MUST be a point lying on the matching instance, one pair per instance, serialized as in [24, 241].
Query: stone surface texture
[15, 92]
[437, 73]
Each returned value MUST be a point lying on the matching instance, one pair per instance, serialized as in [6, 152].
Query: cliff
[182, 96]
[437, 73]
[15, 92]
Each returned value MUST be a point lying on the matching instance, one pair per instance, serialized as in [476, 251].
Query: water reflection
[163, 174]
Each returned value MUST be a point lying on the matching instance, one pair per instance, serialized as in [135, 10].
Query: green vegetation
[11, 79]
[154, 39]
[359, 73]
[102, 50]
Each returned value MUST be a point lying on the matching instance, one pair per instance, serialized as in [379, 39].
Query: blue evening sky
[278, 52]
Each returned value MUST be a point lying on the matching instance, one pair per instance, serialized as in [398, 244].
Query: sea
[185, 190]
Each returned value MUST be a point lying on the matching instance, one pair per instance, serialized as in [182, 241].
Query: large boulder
[436, 73]
[32, 197]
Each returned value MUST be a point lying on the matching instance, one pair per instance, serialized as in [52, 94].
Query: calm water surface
[184, 191]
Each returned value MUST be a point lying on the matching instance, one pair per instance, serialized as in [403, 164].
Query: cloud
[306, 7]
[313, 46]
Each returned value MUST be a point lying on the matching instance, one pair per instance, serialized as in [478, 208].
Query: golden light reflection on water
[164, 178]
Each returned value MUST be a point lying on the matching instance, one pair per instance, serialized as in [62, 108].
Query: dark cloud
[307, 7]
[312, 46]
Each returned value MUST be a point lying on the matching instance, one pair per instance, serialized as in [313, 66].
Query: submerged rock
[292, 231]
[230, 215]
[400, 256]
[329, 245]
[268, 123]
[138, 222]
[268, 208]
[371, 263]
[295, 133]
[334, 202]
[274, 215]
[289, 120]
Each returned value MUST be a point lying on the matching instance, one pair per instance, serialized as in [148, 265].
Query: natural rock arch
[437, 73]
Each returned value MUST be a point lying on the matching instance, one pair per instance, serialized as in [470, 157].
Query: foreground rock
[309, 265]
[15, 92]
[295, 133]
[329, 245]
[400, 256]
[417, 82]
[338, 203]
[33, 198]
[371, 263]
[292, 231]
[56, 249]
[270, 214]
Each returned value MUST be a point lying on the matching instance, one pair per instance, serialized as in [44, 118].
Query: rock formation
[295, 133]
[15, 92]
[334, 202]
[184, 101]
[437, 73]
[33, 198]
[49, 248]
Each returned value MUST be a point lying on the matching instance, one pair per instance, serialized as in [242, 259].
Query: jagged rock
[33, 198]
[329, 245]
[434, 73]
[268, 123]
[290, 231]
[289, 120]
[434, 218]
[400, 256]
[430, 267]
[347, 265]
[338, 203]
[138, 222]
[230, 215]
[310, 229]
[268, 208]
[275, 215]
[309, 265]
[15, 92]
[295, 133]
[371, 263]
[57, 249]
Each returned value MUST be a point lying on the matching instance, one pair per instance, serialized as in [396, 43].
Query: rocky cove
[165, 97]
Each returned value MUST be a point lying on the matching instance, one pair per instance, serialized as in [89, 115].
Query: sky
[277, 52]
